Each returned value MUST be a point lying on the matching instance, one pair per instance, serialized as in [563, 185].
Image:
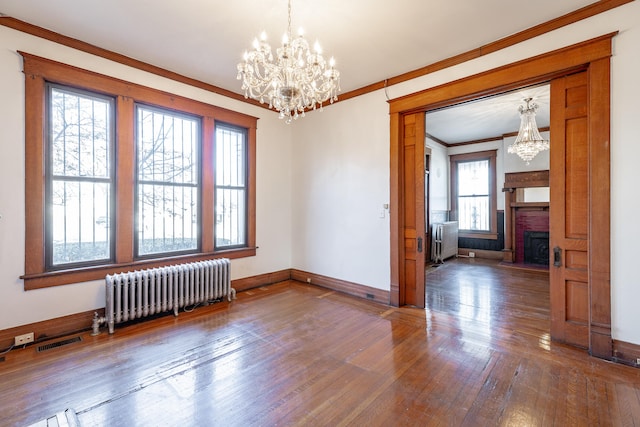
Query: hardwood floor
[296, 354]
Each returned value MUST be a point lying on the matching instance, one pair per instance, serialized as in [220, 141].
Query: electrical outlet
[308, 279]
[472, 254]
[24, 339]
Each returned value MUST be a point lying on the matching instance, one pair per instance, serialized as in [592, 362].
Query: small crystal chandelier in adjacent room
[297, 79]
[529, 141]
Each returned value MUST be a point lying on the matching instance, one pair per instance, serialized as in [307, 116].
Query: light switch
[381, 213]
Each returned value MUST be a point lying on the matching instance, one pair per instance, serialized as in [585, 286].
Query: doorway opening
[456, 137]
[580, 170]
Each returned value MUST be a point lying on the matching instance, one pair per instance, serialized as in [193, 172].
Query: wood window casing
[40, 71]
[489, 155]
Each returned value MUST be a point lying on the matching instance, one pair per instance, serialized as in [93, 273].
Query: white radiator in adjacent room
[444, 241]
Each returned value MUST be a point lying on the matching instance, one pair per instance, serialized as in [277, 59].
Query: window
[473, 198]
[473, 195]
[231, 187]
[133, 177]
[168, 182]
[79, 178]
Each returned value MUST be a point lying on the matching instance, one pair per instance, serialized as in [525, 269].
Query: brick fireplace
[532, 236]
[526, 240]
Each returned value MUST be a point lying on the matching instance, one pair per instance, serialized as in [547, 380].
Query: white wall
[18, 307]
[335, 220]
[340, 185]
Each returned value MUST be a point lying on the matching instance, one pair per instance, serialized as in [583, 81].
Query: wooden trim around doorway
[592, 55]
[530, 71]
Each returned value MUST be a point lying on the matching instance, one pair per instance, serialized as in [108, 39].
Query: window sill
[78, 275]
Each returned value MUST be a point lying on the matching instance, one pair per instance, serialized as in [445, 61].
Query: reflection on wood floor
[296, 354]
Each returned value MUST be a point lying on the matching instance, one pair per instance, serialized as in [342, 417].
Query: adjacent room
[406, 214]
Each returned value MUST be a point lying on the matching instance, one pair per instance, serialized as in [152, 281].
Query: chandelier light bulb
[293, 80]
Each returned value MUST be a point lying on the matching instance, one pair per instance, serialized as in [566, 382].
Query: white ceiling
[487, 118]
[371, 40]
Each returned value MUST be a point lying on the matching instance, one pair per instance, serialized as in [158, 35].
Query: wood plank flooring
[296, 354]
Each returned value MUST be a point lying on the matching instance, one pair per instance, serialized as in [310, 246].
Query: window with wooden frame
[473, 194]
[79, 146]
[167, 182]
[230, 187]
[121, 176]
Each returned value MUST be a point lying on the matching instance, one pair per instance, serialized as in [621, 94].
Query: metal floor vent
[59, 344]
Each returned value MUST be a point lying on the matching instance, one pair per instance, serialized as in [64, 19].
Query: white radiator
[143, 293]
[444, 241]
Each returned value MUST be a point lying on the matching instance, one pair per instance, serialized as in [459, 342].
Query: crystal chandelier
[529, 142]
[297, 79]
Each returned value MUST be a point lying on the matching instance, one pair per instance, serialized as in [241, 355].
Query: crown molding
[562, 21]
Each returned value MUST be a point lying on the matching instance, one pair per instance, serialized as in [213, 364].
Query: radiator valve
[97, 321]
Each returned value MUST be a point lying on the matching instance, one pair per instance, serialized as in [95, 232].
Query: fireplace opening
[536, 247]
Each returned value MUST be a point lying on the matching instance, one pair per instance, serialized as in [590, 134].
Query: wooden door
[569, 213]
[412, 290]
[579, 214]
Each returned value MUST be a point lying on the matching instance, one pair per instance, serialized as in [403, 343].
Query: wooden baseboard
[627, 353]
[343, 286]
[53, 328]
[480, 253]
[261, 280]
[78, 322]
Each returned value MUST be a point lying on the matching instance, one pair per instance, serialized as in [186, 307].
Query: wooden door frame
[593, 55]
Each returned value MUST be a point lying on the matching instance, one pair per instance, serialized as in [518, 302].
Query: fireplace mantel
[514, 185]
[516, 180]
